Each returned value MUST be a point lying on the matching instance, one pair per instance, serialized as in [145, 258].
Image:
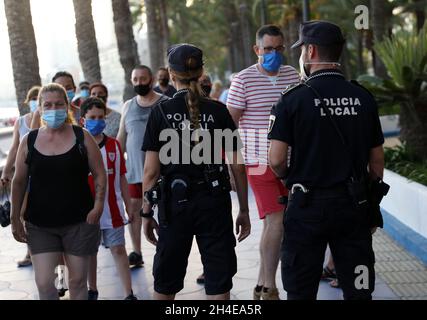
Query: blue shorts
[113, 237]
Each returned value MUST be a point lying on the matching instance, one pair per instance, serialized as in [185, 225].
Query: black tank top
[59, 193]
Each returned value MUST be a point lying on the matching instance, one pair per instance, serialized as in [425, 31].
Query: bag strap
[31, 140]
[80, 140]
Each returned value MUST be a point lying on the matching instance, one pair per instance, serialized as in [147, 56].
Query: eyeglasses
[270, 49]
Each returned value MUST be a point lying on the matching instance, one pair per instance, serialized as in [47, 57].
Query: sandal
[329, 273]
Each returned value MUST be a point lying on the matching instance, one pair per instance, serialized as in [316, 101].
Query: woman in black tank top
[62, 218]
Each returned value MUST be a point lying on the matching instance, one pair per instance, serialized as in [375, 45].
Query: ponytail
[194, 94]
[193, 103]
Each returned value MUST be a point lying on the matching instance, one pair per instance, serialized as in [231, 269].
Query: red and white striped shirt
[113, 215]
[255, 93]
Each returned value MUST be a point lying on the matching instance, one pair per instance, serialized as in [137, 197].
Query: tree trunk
[86, 40]
[380, 19]
[414, 131]
[235, 42]
[165, 30]
[126, 44]
[360, 61]
[293, 34]
[246, 35]
[420, 15]
[23, 49]
[154, 39]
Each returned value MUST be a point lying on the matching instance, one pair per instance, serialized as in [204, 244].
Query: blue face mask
[272, 61]
[95, 127]
[70, 95]
[84, 93]
[33, 105]
[54, 118]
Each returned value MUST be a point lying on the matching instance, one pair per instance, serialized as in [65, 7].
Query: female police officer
[194, 195]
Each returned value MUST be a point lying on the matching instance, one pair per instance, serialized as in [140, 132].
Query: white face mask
[304, 73]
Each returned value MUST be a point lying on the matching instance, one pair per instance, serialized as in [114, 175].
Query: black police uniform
[204, 215]
[322, 164]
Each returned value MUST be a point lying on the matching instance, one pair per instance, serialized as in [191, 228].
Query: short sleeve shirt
[174, 138]
[318, 155]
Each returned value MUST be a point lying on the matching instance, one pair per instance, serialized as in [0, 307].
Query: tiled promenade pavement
[399, 275]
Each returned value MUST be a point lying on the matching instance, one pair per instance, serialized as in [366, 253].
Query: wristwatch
[149, 214]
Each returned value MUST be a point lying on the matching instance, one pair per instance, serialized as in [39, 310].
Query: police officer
[194, 195]
[334, 132]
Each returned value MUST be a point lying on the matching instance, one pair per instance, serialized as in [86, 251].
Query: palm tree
[23, 49]
[165, 28]
[154, 34]
[405, 57]
[86, 40]
[127, 46]
[381, 16]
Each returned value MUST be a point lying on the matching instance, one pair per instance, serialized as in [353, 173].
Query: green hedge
[400, 160]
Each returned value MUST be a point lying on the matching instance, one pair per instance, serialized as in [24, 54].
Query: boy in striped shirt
[252, 94]
[113, 219]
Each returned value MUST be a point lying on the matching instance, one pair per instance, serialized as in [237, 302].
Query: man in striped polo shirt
[252, 94]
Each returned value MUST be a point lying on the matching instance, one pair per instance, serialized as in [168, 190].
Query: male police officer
[333, 129]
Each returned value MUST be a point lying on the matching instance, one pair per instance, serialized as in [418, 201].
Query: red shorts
[266, 188]
[135, 190]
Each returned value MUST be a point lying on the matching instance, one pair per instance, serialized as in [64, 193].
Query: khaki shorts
[80, 239]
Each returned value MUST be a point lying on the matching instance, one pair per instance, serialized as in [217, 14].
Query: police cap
[179, 54]
[322, 33]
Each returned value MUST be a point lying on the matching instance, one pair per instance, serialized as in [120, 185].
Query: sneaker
[92, 294]
[131, 297]
[270, 294]
[135, 259]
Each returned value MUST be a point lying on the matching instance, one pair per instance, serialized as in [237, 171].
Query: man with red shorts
[252, 94]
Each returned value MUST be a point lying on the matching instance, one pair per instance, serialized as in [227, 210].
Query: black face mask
[164, 82]
[206, 89]
[142, 89]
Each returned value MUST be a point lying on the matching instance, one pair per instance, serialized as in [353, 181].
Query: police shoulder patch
[291, 88]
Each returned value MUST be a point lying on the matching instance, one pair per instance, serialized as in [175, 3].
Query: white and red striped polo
[255, 93]
[113, 215]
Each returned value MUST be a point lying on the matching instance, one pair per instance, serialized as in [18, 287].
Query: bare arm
[122, 135]
[19, 186]
[151, 175]
[97, 169]
[236, 114]
[278, 157]
[35, 122]
[11, 157]
[243, 224]
[376, 162]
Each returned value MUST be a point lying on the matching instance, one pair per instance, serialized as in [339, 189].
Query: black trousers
[308, 230]
[209, 219]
